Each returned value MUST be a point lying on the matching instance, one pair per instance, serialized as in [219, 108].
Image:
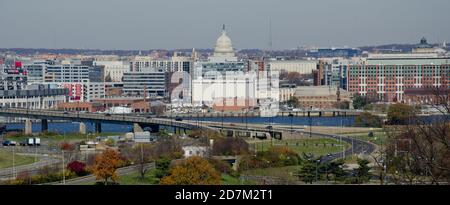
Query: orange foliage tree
[105, 165]
[192, 171]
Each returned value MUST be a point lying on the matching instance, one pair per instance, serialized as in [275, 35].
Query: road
[358, 146]
[32, 169]
[91, 178]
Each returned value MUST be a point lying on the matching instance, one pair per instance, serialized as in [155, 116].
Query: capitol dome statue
[224, 47]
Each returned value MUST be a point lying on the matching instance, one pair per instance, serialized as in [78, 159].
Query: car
[329, 155]
[269, 127]
[6, 143]
[178, 119]
[9, 143]
[66, 113]
[107, 114]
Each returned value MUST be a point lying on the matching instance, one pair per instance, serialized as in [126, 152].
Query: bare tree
[140, 154]
[419, 152]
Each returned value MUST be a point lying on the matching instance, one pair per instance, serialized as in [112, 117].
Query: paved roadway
[33, 169]
[357, 146]
[94, 117]
[91, 178]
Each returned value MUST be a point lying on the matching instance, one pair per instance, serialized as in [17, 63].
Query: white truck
[37, 141]
[34, 141]
[30, 141]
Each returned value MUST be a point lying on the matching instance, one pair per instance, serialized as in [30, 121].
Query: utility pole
[142, 158]
[35, 151]
[310, 126]
[14, 165]
[63, 167]
[352, 146]
[317, 166]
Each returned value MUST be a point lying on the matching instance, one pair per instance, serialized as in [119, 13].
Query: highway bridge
[138, 122]
[229, 129]
[298, 113]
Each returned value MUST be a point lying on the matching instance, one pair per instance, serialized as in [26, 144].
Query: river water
[70, 127]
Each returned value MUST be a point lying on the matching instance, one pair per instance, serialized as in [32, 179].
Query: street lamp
[14, 163]
[310, 126]
[291, 116]
[222, 118]
[63, 167]
[317, 166]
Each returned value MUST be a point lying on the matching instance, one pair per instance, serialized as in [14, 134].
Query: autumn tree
[366, 119]
[342, 104]
[106, 164]
[400, 114]
[359, 102]
[293, 102]
[192, 171]
[298, 79]
[68, 150]
[79, 168]
[158, 110]
[168, 147]
[230, 146]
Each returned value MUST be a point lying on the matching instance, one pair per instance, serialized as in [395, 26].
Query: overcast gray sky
[168, 24]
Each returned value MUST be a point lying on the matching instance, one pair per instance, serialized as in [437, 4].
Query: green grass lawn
[279, 172]
[316, 146]
[378, 137]
[58, 137]
[6, 159]
[230, 180]
[135, 179]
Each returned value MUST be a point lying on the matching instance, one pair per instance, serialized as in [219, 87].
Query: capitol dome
[223, 46]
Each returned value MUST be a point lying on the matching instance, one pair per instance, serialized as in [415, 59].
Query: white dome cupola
[223, 46]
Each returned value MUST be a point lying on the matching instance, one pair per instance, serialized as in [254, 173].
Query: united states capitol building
[223, 82]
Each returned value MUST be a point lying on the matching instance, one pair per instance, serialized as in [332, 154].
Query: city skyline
[196, 24]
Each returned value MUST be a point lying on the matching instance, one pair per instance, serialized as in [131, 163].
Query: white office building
[299, 66]
[113, 69]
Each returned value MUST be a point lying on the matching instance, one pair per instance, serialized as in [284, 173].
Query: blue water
[68, 127]
[315, 121]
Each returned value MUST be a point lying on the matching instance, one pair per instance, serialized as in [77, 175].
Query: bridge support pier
[44, 125]
[28, 127]
[98, 127]
[82, 129]
[154, 128]
[137, 127]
